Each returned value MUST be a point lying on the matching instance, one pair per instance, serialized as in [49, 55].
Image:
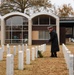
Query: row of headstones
[71, 39]
[21, 50]
[69, 58]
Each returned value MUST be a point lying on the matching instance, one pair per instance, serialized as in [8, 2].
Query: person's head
[50, 28]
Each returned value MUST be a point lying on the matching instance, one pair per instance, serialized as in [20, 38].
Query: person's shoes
[40, 56]
[55, 56]
[51, 56]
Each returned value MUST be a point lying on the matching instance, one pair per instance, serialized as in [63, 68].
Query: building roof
[66, 19]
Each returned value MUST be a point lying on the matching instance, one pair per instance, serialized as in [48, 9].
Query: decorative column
[29, 32]
[57, 29]
[2, 31]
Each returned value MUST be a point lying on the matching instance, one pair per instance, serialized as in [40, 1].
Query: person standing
[54, 41]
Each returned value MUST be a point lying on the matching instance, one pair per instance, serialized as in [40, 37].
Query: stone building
[20, 28]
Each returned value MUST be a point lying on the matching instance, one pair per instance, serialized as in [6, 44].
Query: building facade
[18, 28]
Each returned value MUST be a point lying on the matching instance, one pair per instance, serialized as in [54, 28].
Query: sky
[61, 2]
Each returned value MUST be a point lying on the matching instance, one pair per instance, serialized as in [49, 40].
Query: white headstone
[3, 48]
[23, 49]
[39, 48]
[8, 49]
[44, 47]
[19, 48]
[69, 39]
[68, 54]
[36, 51]
[26, 46]
[1, 54]
[28, 56]
[14, 50]
[7, 45]
[33, 53]
[71, 64]
[20, 61]
[10, 64]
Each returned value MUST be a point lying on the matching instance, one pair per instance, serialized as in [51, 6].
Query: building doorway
[66, 32]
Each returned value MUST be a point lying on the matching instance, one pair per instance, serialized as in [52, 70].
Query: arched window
[16, 29]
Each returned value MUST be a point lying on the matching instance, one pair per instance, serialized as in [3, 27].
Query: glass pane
[40, 34]
[25, 21]
[9, 22]
[8, 35]
[16, 27]
[44, 35]
[7, 41]
[16, 41]
[25, 37]
[68, 30]
[8, 27]
[25, 27]
[17, 35]
[35, 21]
[47, 36]
[52, 20]
[44, 19]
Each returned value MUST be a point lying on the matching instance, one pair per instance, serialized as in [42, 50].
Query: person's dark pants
[53, 54]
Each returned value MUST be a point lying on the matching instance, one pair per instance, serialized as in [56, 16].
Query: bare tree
[21, 5]
[65, 11]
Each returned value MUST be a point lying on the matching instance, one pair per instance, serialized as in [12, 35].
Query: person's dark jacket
[54, 41]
